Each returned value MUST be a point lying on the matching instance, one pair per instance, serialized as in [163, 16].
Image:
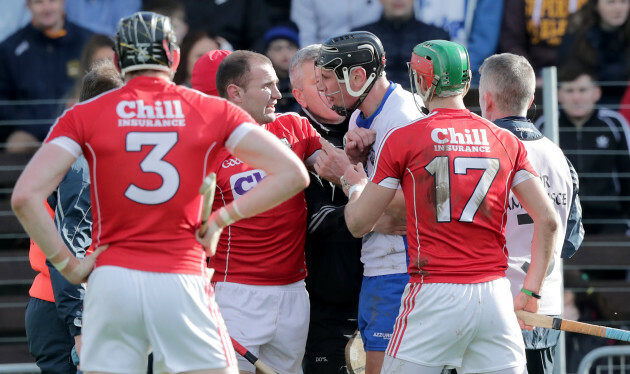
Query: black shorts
[330, 328]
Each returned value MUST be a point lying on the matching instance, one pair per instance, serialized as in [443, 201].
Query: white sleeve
[521, 176]
[237, 135]
[69, 145]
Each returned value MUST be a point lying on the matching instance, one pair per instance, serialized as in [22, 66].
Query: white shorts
[471, 327]
[270, 321]
[129, 313]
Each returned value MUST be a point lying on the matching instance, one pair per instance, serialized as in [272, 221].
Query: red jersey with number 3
[456, 170]
[267, 249]
[148, 145]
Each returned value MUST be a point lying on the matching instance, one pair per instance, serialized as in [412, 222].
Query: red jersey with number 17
[456, 171]
[267, 249]
[148, 145]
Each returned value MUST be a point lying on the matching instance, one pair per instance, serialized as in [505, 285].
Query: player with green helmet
[456, 170]
[441, 68]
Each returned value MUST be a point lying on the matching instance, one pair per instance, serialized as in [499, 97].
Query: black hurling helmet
[354, 49]
[145, 40]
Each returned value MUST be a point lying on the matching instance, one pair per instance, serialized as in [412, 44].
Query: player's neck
[147, 73]
[375, 97]
[452, 102]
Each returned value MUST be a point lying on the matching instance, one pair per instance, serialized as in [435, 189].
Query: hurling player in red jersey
[149, 145]
[260, 263]
[456, 170]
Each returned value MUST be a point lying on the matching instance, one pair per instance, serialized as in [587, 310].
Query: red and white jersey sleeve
[456, 170]
[267, 249]
[149, 145]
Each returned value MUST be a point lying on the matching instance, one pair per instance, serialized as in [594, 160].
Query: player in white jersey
[351, 68]
[506, 91]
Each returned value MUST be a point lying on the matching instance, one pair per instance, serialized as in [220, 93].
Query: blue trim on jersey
[365, 123]
[379, 304]
[404, 238]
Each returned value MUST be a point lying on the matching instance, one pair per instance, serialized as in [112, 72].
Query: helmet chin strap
[361, 93]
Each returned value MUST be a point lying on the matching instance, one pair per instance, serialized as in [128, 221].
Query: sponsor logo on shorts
[384, 335]
[243, 182]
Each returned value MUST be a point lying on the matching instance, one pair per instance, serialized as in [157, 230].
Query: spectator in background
[281, 44]
[54, 312]
[534, 29]
[13, 16]
[100, 16]
[241, 22]
[506, 91]
[399, 32]
[38, 62]
[99, 47]
[174, 10]
[473, 24]
[318, 20]
[598, 37]
[194, 45]
[596, 142]
[333, 255]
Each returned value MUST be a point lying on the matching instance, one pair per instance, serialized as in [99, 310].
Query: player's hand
[355, 174]
[528, 304]
[76, 350]
[389, 225]
[78, 270]
[211, 239]
[331, 162]
[358, 144]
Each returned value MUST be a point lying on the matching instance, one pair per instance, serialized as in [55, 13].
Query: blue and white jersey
[386, 254]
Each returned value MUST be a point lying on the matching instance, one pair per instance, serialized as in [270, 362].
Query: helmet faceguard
[146, 40]
[342, 54]
[444, 67]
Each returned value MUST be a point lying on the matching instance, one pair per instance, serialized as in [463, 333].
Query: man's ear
[531, 101]
[176, 59]
[116, 60]
[299, 97]
[235, 93]
[358, 76]
[487, 96]
[597, 94]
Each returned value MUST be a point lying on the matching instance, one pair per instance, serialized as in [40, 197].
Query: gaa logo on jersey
[243, 182]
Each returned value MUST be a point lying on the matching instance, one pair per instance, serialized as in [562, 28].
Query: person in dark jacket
[598, 37]
[596, 141]
[242, 22]
[38, 62]
[333, 255]
[399, 32]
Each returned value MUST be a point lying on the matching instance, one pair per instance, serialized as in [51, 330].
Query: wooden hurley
[548, 322]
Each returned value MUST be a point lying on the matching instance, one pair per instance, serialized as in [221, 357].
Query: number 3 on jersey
[163, 142]
[439, 168]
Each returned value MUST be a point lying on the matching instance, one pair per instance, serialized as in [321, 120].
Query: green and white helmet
[443, 65]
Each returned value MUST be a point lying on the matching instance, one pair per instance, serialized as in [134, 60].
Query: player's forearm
[543, 244]
[270, 192]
